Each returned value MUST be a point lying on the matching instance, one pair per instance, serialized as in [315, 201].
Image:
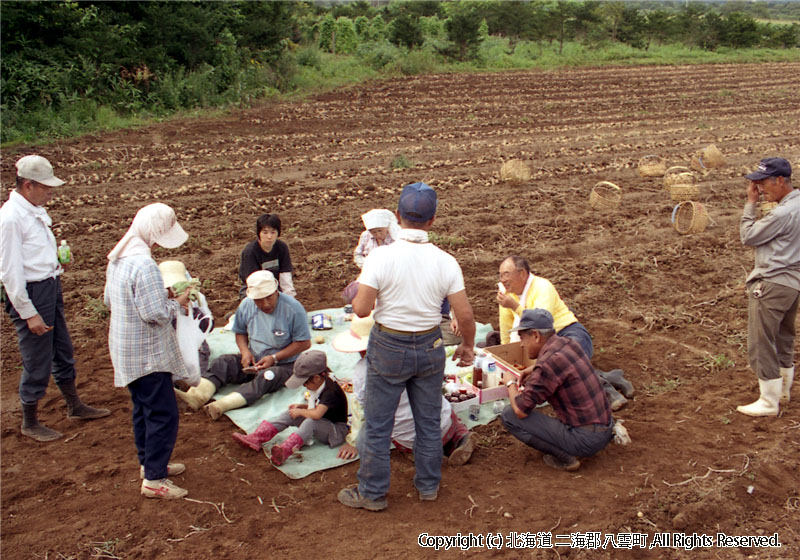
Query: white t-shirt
[412, 280]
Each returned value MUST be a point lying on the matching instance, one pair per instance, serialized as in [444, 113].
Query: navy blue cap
[771, 167]
[417, 203]
[539, 319]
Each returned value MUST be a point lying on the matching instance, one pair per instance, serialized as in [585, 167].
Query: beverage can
[474, 412]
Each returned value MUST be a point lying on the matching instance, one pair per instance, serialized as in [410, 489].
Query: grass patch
[401, 162]
[666, 385]
[95, 309]
[451, 241]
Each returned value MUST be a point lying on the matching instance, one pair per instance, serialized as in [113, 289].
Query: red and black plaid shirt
[564, 377]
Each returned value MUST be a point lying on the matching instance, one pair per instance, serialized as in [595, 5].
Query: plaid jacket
[141, 338]
[564, 377]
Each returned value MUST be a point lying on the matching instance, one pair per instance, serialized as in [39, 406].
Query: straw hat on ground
[356, 339]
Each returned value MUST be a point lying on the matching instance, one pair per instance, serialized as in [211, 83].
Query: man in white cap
[773, 287]
[406, 350]
[31, 275]
[271, 329]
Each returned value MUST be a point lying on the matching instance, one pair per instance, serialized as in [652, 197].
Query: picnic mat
[317, 456]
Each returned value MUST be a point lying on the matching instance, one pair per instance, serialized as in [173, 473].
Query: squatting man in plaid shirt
[564, 377]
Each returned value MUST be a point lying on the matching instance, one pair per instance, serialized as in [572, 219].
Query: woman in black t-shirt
[267, 252]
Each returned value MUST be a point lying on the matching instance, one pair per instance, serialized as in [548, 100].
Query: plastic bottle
[490, 372]
[477, 371]
[64, 253]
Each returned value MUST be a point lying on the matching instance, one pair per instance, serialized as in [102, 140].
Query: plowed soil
[670, 310]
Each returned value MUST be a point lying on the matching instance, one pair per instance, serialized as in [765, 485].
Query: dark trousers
[49, 353]
[155, 422]
[228, 369]
[552, 436]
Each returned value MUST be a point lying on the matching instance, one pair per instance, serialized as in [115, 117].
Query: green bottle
[64, 253]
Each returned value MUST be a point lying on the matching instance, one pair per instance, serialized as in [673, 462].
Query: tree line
[66, 61]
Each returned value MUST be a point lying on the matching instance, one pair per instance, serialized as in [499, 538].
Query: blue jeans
[552, 436]
[396, 362]
[579, 334]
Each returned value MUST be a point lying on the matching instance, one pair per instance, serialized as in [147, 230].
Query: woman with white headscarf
[380, 228]
[143, 345]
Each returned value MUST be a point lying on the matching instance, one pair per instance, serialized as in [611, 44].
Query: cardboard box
[507, 355]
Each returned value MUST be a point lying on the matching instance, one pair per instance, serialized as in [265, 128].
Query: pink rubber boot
[283, 451]
[262, 434]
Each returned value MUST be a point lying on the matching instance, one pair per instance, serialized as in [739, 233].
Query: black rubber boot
[615, 399]
[617, 378]
[32, 428]
[76, 410]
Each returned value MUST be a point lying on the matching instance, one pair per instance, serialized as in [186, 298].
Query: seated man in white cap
[271, 329]
[457, 441]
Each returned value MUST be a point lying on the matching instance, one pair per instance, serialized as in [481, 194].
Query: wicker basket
[708, 158]
[605, 196]
[652, 166]
[689, 217]
[683, 191]
[766, 207]
[677, 174]
[515, 171]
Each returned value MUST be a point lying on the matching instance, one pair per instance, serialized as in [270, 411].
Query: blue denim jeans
[579, 334]
[396, 362]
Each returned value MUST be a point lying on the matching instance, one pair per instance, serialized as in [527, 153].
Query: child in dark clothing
[324, 417]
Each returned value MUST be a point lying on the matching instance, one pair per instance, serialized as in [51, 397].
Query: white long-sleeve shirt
[27, 250]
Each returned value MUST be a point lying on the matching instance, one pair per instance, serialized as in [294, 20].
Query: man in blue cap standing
[405, 283]
[773, 287]
[564, 377]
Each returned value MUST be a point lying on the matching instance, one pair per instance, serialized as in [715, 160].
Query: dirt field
[668, 309]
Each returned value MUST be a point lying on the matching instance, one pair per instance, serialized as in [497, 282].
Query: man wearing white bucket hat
[457, 441]
[271, 330]
[773, 287]
[31, 276]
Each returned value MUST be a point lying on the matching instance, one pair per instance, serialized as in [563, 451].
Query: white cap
[261, 284]
[37, 168]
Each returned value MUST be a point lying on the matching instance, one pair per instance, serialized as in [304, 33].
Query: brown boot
[32, 428]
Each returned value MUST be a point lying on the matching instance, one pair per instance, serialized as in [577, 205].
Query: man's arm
[292, 349]
[13, 273]
[752, 231]
[461, 308]
[364, 302]
[513, 393]
[243, 343]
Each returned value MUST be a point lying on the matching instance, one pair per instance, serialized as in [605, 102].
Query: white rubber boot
[767, 403]
[226, 403]
[787, 375]
[196, 397]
